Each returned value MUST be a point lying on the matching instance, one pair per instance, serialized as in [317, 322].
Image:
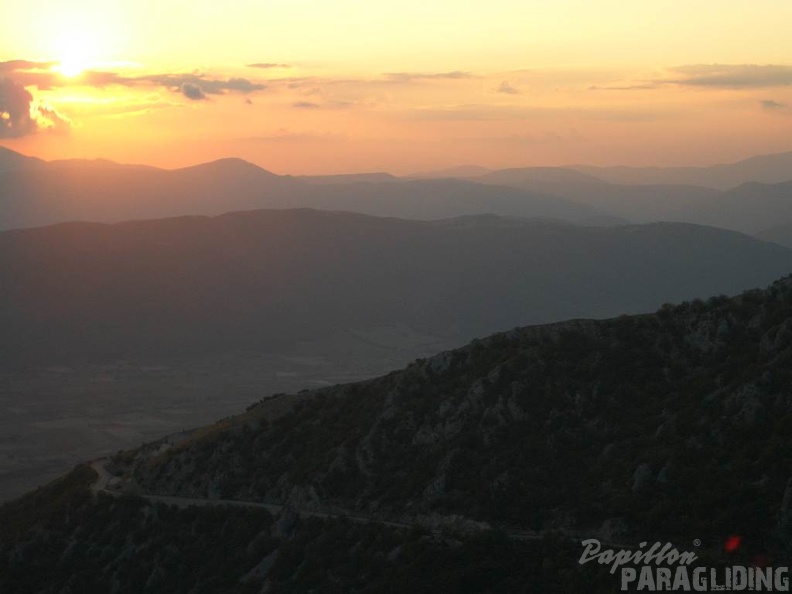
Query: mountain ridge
[200, 281]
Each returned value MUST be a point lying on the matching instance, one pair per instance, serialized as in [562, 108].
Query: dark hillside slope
[675, 425]
[61, 539]
[670, 427]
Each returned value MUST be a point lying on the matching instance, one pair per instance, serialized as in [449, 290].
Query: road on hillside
[103, 479]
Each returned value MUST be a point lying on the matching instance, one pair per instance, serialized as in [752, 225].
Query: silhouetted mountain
[38, 193]
[780, 234]
[636, 203]
[100, 191]
[669, 427]
[347, 178]
[770, 169]
[525, 176]
[459, 172]
[10, 160]
[266, 280]
[444, 198]
[750, 208]
[68, 164]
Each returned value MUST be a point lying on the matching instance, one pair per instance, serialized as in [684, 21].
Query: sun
[70, 67]
[75, 54]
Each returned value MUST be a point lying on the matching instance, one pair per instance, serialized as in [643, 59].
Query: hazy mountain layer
[268, 280]
[101, 191]
[39, 193]
[636, 203]
[750, 208]
[780, 234]
[774, 168]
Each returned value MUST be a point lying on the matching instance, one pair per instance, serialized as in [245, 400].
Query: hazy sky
[315, 86]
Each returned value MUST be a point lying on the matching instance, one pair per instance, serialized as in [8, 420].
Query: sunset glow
[315, 87]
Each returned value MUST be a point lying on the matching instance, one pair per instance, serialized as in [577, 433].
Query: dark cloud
[305, 105]
[14, 65]
[769, 104]
[732, 76]
[267, 65]
[192, 91]
[506, 88]
[208, 86]
[241, 85]
[15, 118]
[21, 116]
[405, 77]
[28, 73]
[192, 86]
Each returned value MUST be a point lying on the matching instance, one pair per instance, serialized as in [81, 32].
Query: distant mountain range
[266, 280]
[750, 196]
[780, 234]
[770, 169]
[37, 193]
[636, 203]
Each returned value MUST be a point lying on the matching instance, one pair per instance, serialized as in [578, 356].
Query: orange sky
[312, 86]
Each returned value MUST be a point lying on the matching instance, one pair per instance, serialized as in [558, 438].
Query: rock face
[659, 426]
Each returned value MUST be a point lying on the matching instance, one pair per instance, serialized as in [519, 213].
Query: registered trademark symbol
[697, 543]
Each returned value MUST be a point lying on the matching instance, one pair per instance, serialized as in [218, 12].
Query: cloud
[29, 73]
[208, 86]
[771, 105]
[539, 138]
[192, 85]
[268, 65]
[21, 116]
[49, 119]
[506, 88]
[14, 65]
[488, 112]
[406, 77]
[192, 91]
[731, 76]
[328, 104]
[287, 136]
[15, 118]
[639, 87]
